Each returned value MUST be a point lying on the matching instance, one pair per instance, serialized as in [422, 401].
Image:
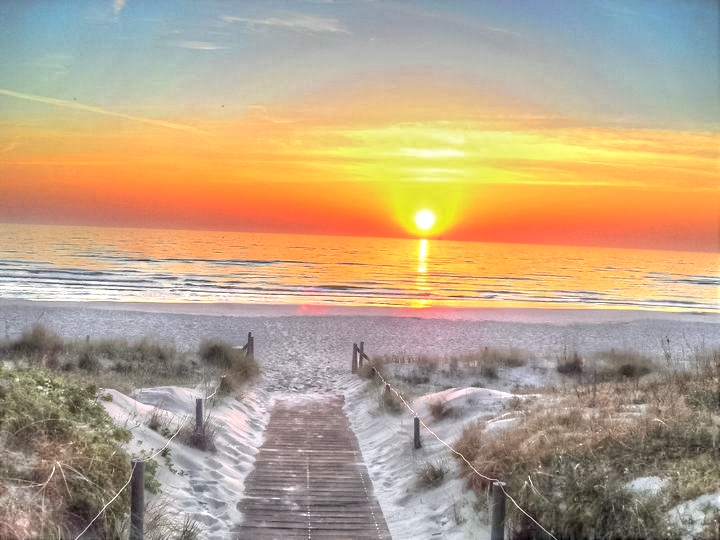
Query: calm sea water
[83, 263]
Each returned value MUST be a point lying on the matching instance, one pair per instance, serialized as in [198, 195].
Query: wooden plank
[310, 480]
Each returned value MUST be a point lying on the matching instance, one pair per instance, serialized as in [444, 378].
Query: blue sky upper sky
[648, 62]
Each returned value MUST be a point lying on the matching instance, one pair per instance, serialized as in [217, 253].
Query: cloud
[97, 110]
[118, 5]
[297, 22]
[200, 45]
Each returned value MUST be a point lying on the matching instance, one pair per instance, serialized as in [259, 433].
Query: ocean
[142, 265]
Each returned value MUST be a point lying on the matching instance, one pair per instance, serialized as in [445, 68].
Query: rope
[470, 465]
[216, 389]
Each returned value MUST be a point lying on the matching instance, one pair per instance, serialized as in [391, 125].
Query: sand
[305, 352]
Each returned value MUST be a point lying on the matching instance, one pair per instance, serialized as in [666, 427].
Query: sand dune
[302, 356]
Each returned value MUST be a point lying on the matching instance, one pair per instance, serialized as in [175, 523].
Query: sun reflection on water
[422, 256]
[421, 281]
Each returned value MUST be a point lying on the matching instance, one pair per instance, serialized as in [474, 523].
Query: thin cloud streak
[97, 110]
[296, 22]
[200, 45]
[118, 6]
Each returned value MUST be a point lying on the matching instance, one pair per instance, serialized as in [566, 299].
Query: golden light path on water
[421, 280]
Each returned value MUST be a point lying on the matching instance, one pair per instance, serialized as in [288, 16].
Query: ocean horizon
[73, 263]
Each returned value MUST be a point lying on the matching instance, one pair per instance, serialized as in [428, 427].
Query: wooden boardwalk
[309, 480]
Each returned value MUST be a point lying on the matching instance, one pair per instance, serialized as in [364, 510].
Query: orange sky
[347, 120]
[487, 175]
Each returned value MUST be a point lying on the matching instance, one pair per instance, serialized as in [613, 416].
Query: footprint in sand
[214, 464]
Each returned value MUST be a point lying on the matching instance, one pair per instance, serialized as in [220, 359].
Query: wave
[355, 271]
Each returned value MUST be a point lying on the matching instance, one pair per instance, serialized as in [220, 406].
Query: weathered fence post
[250, 345]
[199, 427]
[354, 364]
[416, 423]
[497, 531]
[137, 501]
[361, 353]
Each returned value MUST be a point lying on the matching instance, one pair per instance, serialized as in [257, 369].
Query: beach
[305, 352]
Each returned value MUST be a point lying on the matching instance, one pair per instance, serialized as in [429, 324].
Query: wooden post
[250, 345]
[416, 423]
[199, 428]
[354, 359]
[137, 501]
[361, 354]
[497, 531]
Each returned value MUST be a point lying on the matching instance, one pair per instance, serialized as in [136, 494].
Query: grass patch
[568, 464]
[60, 458]
[202, 438]
[236, 366]
[389, 402]
[439, 409]
[110, 363]
[491, 357]
[614, 365]
[571, 363]
[370, 369]
[436, 371]
[431, 474]
[37, 345]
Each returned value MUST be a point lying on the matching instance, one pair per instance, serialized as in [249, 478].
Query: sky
[556, 122]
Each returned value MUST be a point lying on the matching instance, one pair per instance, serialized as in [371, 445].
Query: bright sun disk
[424, 220]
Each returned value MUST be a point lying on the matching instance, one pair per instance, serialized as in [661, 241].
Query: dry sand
[305, 351]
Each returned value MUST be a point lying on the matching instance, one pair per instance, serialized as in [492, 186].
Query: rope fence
[498, 486]
[137, 477]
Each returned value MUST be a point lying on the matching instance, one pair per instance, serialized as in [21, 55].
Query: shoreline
[528, 315]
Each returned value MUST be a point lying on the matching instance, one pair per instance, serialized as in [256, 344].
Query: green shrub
[54, 434]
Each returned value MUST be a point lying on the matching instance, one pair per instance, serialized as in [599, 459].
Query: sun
[424, 219]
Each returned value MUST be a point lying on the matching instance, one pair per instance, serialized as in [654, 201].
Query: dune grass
[431, 474]
[569, 463]
[237, 368]
[61, 456]
[483, 364]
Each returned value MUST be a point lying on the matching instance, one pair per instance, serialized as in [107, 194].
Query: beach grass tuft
[37, 344]
[237, 367]
[439, 409]
[569, 462]
[431, 474]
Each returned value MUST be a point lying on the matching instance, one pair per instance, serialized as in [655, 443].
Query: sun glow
[424, 219]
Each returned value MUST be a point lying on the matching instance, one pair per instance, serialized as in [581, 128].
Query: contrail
[97, 110]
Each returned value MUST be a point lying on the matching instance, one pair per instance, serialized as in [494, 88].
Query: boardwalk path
[309, 480]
